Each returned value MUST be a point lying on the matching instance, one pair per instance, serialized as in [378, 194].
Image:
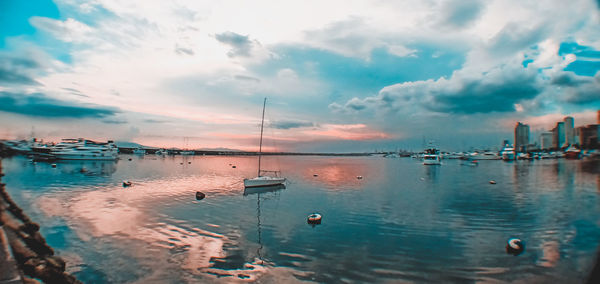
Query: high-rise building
[558, 135]
[521, 137]
[569, 131]
[588, 136]
[546, 140]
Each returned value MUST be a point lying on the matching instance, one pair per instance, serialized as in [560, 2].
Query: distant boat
[572, 153]
[261, 180]
[432, 156]
[85, 150]
[508, 153]
[486, 156]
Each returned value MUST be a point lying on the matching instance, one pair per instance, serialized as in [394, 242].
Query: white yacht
[508, 153]
[85, 150]
[488, 155]
[261, 180]
[432, 156]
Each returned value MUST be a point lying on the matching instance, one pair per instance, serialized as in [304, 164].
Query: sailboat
[261, 180]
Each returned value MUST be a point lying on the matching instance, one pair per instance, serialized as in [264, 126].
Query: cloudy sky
[338, 75]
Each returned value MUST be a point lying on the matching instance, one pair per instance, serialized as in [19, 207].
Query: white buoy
[515, 246]
[314, 218]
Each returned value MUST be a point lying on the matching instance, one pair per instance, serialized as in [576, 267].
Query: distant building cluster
[563, 135]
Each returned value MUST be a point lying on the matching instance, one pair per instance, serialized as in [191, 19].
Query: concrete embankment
[25, 257]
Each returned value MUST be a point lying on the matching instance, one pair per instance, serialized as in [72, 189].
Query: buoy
[492, 182]
[234, 167]
[314, 218]
[200, 195]
[359, 177]
[53, 165]
[126, 183]
[515, 246]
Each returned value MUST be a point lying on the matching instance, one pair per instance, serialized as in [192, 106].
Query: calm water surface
[403, 222]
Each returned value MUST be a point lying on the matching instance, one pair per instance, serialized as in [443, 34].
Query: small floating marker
[492, 182]
[126, 183]
[200, 195]
[53, 165]
[515, 246]
[359, 177]
[314, 219]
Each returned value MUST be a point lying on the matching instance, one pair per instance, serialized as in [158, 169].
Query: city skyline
[355, 77]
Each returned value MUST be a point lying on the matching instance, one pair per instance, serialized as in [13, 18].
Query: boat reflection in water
[258, 191]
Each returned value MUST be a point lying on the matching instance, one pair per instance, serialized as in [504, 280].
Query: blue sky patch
[14, 16]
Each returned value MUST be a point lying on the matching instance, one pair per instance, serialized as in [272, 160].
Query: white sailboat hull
[263, 181]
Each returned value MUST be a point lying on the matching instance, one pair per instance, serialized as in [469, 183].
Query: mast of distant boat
[261, 135]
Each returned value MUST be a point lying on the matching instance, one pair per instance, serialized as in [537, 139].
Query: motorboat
[432, 156]
[572, 153]
[508, 153]
[261, 180]
[487, 155]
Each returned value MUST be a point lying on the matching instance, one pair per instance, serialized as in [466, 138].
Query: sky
[342, 76]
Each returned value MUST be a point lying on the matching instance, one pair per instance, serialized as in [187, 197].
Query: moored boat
[508, 153]
[261, 180]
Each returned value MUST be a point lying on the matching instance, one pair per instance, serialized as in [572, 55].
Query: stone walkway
[8, 266]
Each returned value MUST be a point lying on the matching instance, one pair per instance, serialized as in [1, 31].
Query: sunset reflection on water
[390, 219]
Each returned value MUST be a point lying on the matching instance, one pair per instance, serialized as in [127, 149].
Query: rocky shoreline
[29, 258]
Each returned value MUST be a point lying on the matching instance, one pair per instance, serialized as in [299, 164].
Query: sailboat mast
[262, 123]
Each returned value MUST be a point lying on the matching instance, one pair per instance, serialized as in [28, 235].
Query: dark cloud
[38, 104]
[461, 13]
[568, 79]
[482, 97]
[240, 45]
[150, 120]
[288, 124]
[75, 92]
[585, 91]
[514, 37]
[246, 78]
[15, 70]
[497, 90]
[183, 51]
[114, 121]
